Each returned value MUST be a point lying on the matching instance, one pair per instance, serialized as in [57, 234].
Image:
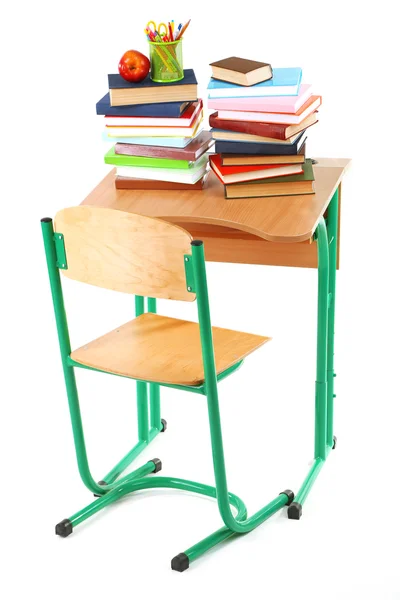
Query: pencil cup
[166, 64]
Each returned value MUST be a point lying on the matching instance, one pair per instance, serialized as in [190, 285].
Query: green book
[307, 175]
[288, 185]
[123, 160]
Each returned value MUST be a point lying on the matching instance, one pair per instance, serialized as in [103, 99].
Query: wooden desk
[269, 231]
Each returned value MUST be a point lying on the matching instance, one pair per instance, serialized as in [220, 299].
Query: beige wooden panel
[281, 219]
[125, 252]
[157, 348]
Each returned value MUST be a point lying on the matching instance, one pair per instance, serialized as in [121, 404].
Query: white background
[54, 63]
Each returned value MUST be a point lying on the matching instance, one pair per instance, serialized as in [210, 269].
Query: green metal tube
[124, 462]
[65, 350]
[309, 480]
[322, 341]
[141, 389]
[112, 495]
[155, 405]
[145, 483]
[225, 533]
[332, 228]
[199, 271]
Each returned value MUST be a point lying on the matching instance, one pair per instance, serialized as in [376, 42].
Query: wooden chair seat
[165, 350]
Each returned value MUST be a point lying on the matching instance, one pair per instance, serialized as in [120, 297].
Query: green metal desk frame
[113, 486]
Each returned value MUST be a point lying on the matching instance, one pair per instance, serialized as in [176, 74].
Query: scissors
[153, 28]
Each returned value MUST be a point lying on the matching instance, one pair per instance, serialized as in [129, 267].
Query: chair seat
[165, 350]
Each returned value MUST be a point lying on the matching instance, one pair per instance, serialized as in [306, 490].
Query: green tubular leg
[155, 406]
[141, 389]
[70, 382]
[143, 483]
[332, 225]
[327, 256]
[233, 524]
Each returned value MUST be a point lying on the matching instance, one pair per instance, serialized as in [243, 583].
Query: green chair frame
[113, 486]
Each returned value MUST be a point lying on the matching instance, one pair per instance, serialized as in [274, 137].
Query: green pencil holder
[166, 63]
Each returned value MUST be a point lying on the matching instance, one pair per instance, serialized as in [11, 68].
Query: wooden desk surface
[284, 219]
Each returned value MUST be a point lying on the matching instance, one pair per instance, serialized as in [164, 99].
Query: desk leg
[332, 226]
[321, 385]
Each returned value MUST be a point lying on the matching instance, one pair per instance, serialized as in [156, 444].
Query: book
[124, 160]
[236, 136]
[124, 92]
[233, 160]
[156, 131]
[279, 104]
[259, 148]
[130, 183]
[167, 109]
[192, 151]
[265, 117]
[291, 185]
[278, 131]
[190, 175]
[186, 119]
[285, 82]
[250, 173]
[167, 142]
[241, 70]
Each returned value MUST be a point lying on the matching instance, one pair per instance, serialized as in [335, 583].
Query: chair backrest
[125, 252]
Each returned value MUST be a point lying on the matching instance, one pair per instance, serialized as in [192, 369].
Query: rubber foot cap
[163, 425]
[157, 463]
[334, 442]
[295, 511]
[180, 562]
[101, 482]
[64, 528]
[290, 496]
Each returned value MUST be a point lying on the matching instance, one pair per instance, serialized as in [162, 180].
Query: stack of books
[157, 132]
[260, 129]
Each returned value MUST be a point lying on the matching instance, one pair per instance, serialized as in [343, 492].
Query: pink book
[277, 104]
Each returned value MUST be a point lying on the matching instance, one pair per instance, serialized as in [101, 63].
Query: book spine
[276, 131]
[254, 148]
[154, 152]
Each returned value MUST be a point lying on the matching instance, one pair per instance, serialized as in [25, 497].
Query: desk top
[276, 219]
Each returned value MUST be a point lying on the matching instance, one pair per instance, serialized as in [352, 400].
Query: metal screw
[186, 259]
[189, 288]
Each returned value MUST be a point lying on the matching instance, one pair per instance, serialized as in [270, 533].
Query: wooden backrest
[125, 252]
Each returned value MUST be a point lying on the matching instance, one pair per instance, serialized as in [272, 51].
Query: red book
[278, 131]
[191, 152]
[251, 173]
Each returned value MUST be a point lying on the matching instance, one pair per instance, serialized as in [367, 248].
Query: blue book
[126, 93]
[115, 81]
[285, 82]
[265, 149]
[167, 109]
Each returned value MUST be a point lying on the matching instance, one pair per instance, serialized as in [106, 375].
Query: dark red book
[278, 131]
[191, 152]
[129, 183]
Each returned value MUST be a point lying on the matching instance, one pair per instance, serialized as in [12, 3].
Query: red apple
[134, 66]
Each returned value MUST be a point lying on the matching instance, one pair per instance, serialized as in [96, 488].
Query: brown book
[291, 185]
[238, 160]
[129, 183]
[191, 152]
[241, 71]
[277, 131]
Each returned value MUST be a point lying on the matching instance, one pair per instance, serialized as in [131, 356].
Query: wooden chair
[151, 259]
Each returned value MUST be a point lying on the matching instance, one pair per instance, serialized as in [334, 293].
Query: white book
[155, 131]
[191, 175]
[168, 142]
